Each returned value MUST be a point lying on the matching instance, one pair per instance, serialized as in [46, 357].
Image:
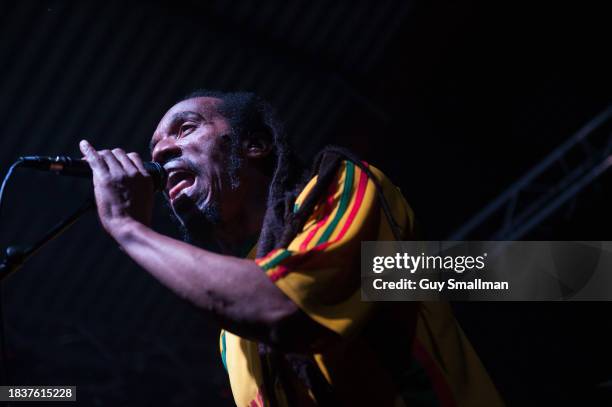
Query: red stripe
[277, 272]
[363, 183]
[328, 204]
[438, 381]
[281, 271]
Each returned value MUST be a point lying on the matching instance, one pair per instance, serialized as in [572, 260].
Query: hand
[122, 186]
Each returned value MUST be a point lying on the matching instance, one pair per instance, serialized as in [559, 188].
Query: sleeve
[320, 269]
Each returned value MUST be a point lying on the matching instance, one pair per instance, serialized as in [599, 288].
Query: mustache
[183, 162]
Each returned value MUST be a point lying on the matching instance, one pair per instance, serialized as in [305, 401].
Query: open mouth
[178, 181]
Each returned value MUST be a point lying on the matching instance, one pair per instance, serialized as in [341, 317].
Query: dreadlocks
[247, 114]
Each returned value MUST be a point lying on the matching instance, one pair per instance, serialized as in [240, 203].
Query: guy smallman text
[486, 271]
[449, 264]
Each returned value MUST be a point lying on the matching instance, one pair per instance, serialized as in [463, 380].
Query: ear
[257, 145]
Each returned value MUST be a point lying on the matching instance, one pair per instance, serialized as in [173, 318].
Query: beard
[197, 223]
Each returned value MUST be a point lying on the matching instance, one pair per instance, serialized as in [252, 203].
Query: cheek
[207, 153]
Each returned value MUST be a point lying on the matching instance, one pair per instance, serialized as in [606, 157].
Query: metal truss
[559, 177]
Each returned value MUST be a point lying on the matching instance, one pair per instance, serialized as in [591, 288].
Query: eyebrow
[177, 118]
[180, 116]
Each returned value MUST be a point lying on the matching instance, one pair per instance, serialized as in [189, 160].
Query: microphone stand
[16, 256]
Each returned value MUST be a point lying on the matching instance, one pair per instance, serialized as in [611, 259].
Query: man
[282, 278]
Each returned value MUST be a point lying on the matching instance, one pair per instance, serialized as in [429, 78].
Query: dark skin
[189, 141]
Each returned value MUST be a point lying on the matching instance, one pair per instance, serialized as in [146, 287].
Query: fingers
[115, 162]
[114, 166]
[95, 160]
[126, 163]
[138, 163]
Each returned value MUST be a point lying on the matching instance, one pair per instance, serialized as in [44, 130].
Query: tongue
[179, 187]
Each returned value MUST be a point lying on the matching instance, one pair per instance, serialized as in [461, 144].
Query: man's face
[192, 143]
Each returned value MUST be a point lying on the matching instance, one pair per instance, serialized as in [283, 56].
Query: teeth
[178, 181]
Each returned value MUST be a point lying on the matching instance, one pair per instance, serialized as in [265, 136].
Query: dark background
[454, 100]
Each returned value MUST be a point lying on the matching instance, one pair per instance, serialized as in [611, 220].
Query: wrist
[124, 230]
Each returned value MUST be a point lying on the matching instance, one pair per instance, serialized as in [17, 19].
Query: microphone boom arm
[16, 256]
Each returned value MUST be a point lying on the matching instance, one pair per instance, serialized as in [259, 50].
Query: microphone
[75, 167]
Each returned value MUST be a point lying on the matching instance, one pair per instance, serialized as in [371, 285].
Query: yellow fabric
[320, 272]
[317, 286]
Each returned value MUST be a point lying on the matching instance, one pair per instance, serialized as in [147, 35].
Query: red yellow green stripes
[361, 188]
[328, 209]
[267, 257]
[280, 261]
[344, 201]
[267, 263]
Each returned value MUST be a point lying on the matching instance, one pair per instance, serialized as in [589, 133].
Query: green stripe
[296, 207]
[223, 351]
[344, 201]
[277, 259]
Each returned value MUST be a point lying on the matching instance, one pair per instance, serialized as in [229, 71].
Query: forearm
[233, 290]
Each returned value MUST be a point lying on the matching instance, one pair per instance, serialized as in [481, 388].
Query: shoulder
[353, 195]
[350, 177]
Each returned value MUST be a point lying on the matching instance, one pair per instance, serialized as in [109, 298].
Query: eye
[187, 128]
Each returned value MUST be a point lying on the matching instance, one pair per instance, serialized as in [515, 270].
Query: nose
[165, 150]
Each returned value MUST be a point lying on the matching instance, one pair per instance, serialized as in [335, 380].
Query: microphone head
[158, 175]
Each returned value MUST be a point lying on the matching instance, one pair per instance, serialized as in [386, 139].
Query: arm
[233, 290]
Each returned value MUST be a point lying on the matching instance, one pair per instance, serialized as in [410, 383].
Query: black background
[453, 100]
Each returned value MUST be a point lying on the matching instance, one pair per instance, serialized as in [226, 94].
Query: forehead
[204, 105]
[201, 107]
